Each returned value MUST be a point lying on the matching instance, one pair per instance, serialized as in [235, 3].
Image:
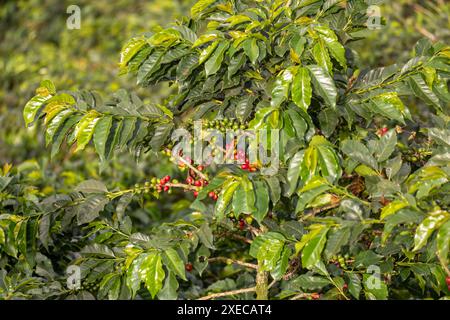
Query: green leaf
[225, 197]
[269, 253]
[423, 91]
[174, 263]
[387, 145]
[236, 64]
[205, 38]
[62, 132]
[443, 242]
[302, 89]
[215, 61]
[441, 136]
[328, 119]
[186, 65]
[293, 173]
[206, 236]
[32, 107]
[149, 66]
[262, 200]
[85, 130]
[337, 238]
[200, 6]
[329, 163]
[161, 134]
[390, 106]
[244, 198]
[366, 259]
[323, 85]
[131, 49]
[259, 121]
[322, 57]
[169, 291]
[280, 90]
[55, 124]
[375, 292]
[308, 282]
[251, 49]
[98, 250]
[311, 253]
[101, 135]
[152, 272]
[427, 227]
[207, 52]
[133, 279]
[282, 265]
[393, 208]
[354, 284]
[359, 152]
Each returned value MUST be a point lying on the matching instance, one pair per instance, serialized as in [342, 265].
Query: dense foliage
[357, 207]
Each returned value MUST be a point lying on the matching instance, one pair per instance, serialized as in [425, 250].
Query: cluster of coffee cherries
[241, 223]
[162, 185]
[225, 124]
[414, 155]
[155, 185]
[240, 157]
[90, 286]
[196, 180]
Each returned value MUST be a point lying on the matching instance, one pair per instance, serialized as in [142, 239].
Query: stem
[227, 293]
[262, 289]
[198, 172]
[232, 261]
[385, 84]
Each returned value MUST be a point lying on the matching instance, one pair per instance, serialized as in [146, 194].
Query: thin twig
[300, 296]
[232, 261]
[227, 293]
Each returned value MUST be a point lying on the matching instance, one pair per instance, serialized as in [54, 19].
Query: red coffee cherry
[189, 267]
[198, 183]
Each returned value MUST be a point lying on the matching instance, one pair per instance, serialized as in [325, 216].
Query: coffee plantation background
[36, 45]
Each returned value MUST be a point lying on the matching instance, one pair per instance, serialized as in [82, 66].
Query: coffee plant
[350, 201]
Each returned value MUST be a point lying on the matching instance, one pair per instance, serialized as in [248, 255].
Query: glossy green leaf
[302, 89]
[427, 227]
[311, 253]
[323, 85]
[173, 261]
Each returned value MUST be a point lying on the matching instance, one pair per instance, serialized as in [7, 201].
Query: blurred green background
[35, 44]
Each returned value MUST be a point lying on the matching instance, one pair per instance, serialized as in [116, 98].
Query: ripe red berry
[245, 166]
[167, 178]
[241, 224]
[189, 180]
[166, 188]
[315, 296]
[345, 286]
[215, 197]
[200, 168]
[188, 267]
[383, 131]
[195, 194]
[205, 182]
[447, 280]
[211, 194]
[198, 183]
[247, 161]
